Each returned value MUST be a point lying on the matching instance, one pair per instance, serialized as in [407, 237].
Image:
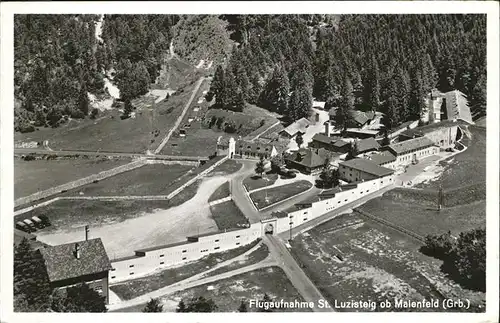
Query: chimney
[87, 232]
[77, 251]
[327, 128]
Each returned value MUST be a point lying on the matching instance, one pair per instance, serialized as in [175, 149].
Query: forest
[386, 63]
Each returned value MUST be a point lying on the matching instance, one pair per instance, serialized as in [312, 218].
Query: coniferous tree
[391, 109]
[299, 140]
[344, 112]
[417, 95]
[372, 88]
[79, 298]
[153, 306]
[276, 92]
[83, 100]
[217, 87]
[403, 94]
[243, 307]
[31, 282]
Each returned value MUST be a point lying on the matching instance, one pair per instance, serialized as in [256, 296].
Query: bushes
[464, 258]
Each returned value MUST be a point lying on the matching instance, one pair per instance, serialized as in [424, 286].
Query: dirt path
[179, 119]
[158, 228]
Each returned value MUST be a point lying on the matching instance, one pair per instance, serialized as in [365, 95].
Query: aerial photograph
[249, 163]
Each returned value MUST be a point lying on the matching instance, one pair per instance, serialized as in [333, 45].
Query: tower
[232, 147]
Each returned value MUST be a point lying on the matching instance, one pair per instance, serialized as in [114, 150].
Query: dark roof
[322, 138]
[382, 157]
[367, 145]
[330, 192]
[340, 143]
[62, 263]
[360, 117]
[420, 131]
[298, 126]
[308, 158]
[411, 144]
[367, 166]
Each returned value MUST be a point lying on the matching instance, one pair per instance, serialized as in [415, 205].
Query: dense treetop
[276, 61]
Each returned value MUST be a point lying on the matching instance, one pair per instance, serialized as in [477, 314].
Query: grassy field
[134, 288]
[228, 216]
[425, 220]
[155, 179]
[221, 192]
[254, 182]
[228, 293]
[198, 141]
[468, 167]
[109, 133]
[277, 194]
[228, 167]
[67, 214]
[37, 175]
[377, 264]
[254, 257]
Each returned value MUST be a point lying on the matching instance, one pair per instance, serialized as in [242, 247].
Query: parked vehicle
[38, 222]
[291, 174]
[23, 226]
[30, 224]
[45, 220]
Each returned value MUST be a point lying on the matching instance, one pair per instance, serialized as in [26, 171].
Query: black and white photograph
[223, 161]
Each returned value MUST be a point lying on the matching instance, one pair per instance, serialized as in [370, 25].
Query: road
[239, 194]
[21, 151]
[297, 277]
[179, 119]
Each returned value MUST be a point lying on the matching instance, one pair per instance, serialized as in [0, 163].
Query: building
[359, 169]
[457, 107]
[307, 161]
[451, 105]
[362, 133]
[383, 158]
[295, 128]
[245, 149]
[443, 134]
[402, 128]
[81, 262]
[412, 150]
[367, 145]
[333, 144]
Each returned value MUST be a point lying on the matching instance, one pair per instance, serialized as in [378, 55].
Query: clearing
[377, 264]
[38, 175]
[266, 197]
[158, 228]
[228, 216]
[154, 179]
[254, 182]
[109, 133]
[220, 193]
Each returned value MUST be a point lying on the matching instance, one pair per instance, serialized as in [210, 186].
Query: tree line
[386, 63]
[58, 60]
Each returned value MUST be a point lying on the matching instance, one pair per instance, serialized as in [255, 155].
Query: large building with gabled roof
[359, 169]
[412, 150]
[78, 262]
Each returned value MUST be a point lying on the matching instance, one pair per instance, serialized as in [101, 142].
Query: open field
[468, 167]
[37, 175]
[137, 287]
[254, 257]
[254, 182]
[161, 227]
[279, 193]
[377, 264]
[425, 220]
[109, 133]
[220, 193]
[228, 216]
[155, 179]
[228, 293]
[198, 141]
